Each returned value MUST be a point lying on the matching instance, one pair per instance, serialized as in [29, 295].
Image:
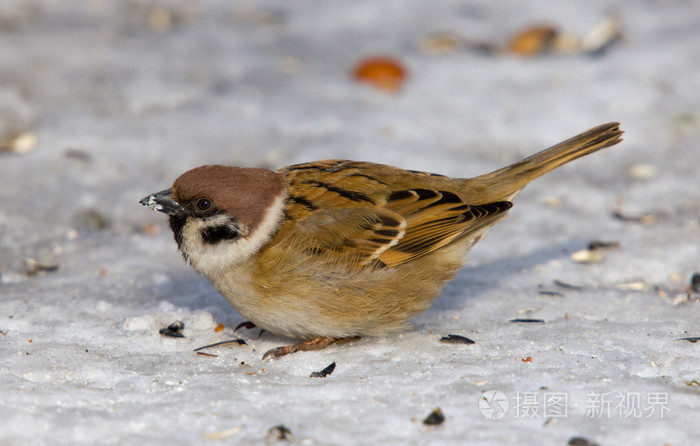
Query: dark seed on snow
[436, 417]
[456, 339]
[325, 372]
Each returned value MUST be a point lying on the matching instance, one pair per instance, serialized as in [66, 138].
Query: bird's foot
[312, 344]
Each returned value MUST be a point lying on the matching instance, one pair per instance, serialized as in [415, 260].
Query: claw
[317, 343]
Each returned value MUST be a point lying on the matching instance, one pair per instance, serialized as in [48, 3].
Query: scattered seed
[280, 432]
[533, 41]
[645, 219]
[78, 155]
[382, 72]
[581, 441]
[19, 142]
[604, 35]
[456, 339]
[528, 321]
[173, 330]
[33, 267]
[170, 333]
[597, 244]
[177, 326]
[224, 434]
[232, 341]
[219, 328]
[323, 373]
[587, 256]
[528, 359]
[692, 339]
[551, 293]
[247, 325]
[435, 418]
[568, 285]
[631, 286]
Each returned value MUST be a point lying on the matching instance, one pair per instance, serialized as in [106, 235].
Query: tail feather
[505, 183]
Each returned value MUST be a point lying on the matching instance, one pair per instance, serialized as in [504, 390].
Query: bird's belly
[366, 303]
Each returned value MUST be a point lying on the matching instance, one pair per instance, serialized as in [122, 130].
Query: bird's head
[221, 215]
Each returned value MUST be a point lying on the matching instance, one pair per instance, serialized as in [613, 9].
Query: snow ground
[124, 96]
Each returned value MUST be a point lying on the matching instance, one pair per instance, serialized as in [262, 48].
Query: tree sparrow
[333, 250]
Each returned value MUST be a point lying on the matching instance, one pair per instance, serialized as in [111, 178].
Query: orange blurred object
[383, 72]
[219, 328]
[150, 229]
[533, 40]
[528, 359]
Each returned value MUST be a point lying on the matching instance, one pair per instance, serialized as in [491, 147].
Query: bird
[334, 250]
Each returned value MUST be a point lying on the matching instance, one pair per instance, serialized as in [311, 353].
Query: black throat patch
[177, 222]
[216, 234]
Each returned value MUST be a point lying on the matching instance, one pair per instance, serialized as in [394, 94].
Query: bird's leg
[312, 344]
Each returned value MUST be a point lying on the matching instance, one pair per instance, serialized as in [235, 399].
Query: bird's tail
[505, 183]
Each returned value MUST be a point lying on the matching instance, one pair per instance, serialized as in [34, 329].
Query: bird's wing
[347, 212]
[435, 219]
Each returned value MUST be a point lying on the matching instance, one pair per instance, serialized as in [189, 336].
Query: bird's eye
[204, 204]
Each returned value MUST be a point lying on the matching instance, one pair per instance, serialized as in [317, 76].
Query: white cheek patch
[211, 259]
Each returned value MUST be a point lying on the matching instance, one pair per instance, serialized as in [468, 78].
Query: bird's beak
[163, 202]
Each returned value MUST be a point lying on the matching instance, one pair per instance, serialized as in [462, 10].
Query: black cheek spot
[217, 234]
